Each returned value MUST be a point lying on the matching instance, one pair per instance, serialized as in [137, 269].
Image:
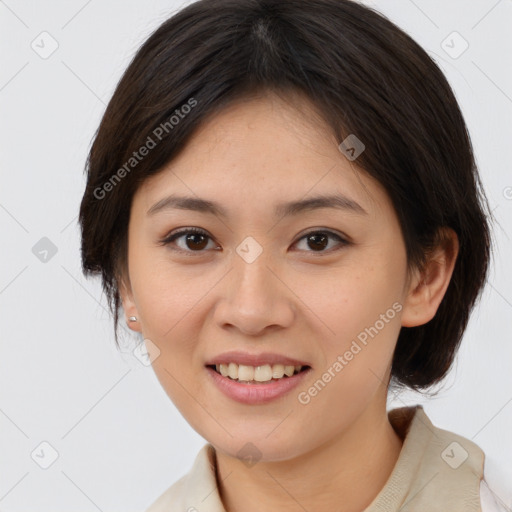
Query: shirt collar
[434, 465]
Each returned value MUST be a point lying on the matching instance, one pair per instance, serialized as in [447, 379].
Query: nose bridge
[254, 288]
[255, 298]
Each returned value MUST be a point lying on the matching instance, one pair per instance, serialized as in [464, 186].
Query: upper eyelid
[184, 231]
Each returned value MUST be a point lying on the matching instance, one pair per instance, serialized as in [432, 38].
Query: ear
[129, 307]
[427, 286]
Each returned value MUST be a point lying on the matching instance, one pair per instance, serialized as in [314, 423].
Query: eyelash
[178, 234]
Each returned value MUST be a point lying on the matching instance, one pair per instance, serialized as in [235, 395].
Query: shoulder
[437, 470]
[429, 450]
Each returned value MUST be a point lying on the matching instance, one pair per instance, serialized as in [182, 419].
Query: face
[322, 285]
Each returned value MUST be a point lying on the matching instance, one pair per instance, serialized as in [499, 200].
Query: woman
[283, 200]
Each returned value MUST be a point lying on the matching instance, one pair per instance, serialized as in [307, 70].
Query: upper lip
[254, 359]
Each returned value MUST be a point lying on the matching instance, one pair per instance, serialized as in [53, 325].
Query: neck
[345, 473]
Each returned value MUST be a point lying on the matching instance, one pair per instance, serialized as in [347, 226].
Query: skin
[339, 449]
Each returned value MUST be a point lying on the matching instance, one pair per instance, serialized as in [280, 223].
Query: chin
[252, 449]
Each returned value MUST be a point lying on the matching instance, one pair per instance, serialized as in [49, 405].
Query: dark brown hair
[363, 74]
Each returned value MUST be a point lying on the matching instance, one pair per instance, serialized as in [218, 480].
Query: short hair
[363, 74]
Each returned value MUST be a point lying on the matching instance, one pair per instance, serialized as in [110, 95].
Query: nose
[255, 298]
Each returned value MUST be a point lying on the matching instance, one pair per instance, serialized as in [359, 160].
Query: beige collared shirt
[437, 471]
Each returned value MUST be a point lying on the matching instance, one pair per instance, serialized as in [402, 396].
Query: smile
[253, 392]
[257, 374]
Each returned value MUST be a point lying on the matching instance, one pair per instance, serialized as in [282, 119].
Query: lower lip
[256, 393]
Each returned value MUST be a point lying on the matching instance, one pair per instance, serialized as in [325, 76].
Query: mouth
[264, 374]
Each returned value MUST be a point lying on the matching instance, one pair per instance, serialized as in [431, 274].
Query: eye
[196, 240]
[319, 241]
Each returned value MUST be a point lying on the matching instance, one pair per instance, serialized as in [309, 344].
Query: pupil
[201, 245]
[315, 239]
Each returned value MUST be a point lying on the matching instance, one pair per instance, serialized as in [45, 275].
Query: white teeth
[245, 372]
[263, 373]
[289, 370]
[277, 371]
[233, 371]
[223, 369]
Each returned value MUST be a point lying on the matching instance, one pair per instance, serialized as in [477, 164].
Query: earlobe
[428, 286]
[129, 307]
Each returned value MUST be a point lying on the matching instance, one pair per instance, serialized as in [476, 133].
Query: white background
[119, 439]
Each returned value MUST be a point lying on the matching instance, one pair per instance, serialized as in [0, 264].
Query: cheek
[166, 294]
[168, 301]
[169, 309]
[362, 308]
[351, 302]
[359, 317]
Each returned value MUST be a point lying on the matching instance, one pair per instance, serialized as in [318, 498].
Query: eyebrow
[338, 201]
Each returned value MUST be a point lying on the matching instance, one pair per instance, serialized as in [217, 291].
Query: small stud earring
[132, 319]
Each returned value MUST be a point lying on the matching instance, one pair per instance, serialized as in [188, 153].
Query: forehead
[263, 151]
